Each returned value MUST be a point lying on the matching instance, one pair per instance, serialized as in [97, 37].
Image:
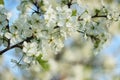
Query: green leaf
[97, 11]
[44, 63]
[1, 1]
[74, 12]
[65, 1]
[97, 43]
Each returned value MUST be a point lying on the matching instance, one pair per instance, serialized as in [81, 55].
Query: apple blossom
[49, 25]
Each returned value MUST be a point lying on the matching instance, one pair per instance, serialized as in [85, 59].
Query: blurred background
[76, 61]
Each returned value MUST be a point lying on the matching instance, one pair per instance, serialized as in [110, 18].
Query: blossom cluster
[49, 25]
[3, 23]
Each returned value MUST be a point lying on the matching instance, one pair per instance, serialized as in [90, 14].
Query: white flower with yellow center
[14, 37]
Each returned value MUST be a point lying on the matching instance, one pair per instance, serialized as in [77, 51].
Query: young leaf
[43, 63]
[1, 1]
[74, 12]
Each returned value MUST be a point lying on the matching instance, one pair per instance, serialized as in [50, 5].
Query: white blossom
[3, 21]
[27, 59]
[50, 24]
[87, 18]
[50, 17]
[30, 48]
[14, 37]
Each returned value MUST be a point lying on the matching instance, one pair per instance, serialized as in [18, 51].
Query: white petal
[25, 49]
[8, 35]
[27, 60]
[25, 44]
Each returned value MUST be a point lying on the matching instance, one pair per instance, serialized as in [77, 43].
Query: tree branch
[104, 16]
[95, 16]
[16, 45]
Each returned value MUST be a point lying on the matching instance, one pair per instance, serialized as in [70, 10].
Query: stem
[20, 59]
[8, 27]
[69, 3]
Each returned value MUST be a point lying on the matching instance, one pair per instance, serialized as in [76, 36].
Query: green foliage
[1, 1]
[44, 63]
[65, 1]
[74, 12]
[96, 43]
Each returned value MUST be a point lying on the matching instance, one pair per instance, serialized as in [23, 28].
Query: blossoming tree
[43, 26]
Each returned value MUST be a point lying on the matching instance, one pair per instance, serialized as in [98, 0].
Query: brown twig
[16, 45]
[95, 16]
[69, 3]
